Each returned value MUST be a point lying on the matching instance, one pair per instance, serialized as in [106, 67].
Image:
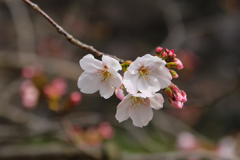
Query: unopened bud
[119, 93]
[174, 74]
[167, 50]
[171, 54]
[159, 49]
[125, 65]
[179, 63]
[164, 54]
[168, 91]
[171, 65]
[175, 103]
[175, 96]
[184, 96]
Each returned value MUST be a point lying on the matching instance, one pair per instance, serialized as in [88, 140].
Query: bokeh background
[43, 115]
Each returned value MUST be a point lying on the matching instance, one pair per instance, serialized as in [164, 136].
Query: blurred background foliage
[37, 122]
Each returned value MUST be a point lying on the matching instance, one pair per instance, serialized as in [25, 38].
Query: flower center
[103, 75]
[145, 72]
[137, 102]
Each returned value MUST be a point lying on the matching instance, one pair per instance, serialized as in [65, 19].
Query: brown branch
[69, 37]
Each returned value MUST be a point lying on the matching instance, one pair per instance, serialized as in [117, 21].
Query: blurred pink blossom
[28, 72]
[93, 137]
[59, 84]
[106, 130]
[29, 94]
[57, 88]
[227, 147]
[75, 98]
[190, 60]
[186, 141]
[50, 91]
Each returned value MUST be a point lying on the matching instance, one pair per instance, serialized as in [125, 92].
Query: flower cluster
[36, 85]
[175, 96]
[142, 79]
[92, 136]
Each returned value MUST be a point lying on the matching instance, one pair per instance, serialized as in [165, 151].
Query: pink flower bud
[175, 103]
[184, 96]
[75, 98]
[159, 49]
[119, 93]
[167, 50]
[174, 74]
[171, 53]
[179, 64]
[168, 91]
[164, 54]
[176, 96]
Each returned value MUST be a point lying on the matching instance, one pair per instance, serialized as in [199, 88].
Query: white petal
[132, 70]
[116, 80]
[164, 82]
[90, 64]
[164, 71]
[155, 85]
[146, 114]
[136, 64]
[106, 90]
[147, 57]
[111, 63]
[139, 95]
[135, 115]
[154, 61]
[157, 101]
[141, 116]
[164, 77]
[122, 109]
[89, 82]
[144, 86]
[130, 82]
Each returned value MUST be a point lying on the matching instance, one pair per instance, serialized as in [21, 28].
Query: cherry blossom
[147, 74]
[175, 96]
[99, 75]
[139, 108]
[119, 92]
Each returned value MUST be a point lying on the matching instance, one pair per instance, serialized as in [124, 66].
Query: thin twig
[69, 37]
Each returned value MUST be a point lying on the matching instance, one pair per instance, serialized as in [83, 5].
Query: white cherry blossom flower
[139, 108]
[99, 75]
[148, 75]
